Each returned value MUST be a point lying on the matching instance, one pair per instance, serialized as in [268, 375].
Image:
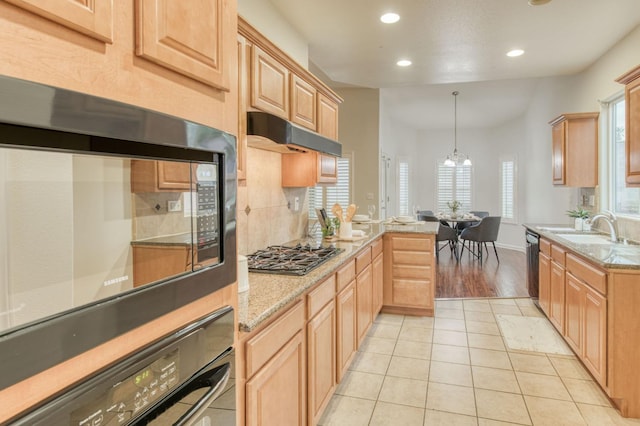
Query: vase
[578, 223]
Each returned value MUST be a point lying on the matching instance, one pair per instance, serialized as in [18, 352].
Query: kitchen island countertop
[268, 293]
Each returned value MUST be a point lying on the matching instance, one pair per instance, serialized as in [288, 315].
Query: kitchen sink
[587, 238]
[556, 228]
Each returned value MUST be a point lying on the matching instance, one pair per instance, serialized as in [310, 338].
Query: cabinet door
[276, 394]
[303, 103]
[243, 83]
[93, 18]
[346, 329]
[193, 38]
[327, 117]
[153, 263]
[556, 309]
[327, 168]
[321, 361]
[544, 267]
[581, 151]
[269, 84]
[632, 100]
[595, 334]
[574, 301]
[558, 152]
[364, 287]
[378, 271]
[174, 176]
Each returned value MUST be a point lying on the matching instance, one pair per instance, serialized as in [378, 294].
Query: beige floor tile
[479, 316]
[531, 311]
[449, 313]
[505, 301]
[424, 322]
[389, 319]
[506, 309]
[451, 398]
[596, 416]
[409, 368]
[384, 331]
[403, 391]
[539, 364]
[410, 349]
[442, 418]
[476, 305]
[416, 334]
[448, 353]
[360, 385]
[586, 391]
[485, 341]
[551, 412]
[490, 358]
[453, 374]
[569, 368]
[449, 324]
[378, 345]
[542, 385]
[449, 304]
[495, 379]
[344, 410]
[386, 414]
[506, 407]
[370, 362]
[489, 422]
[482, 327]
[524, 301]
[447, 337]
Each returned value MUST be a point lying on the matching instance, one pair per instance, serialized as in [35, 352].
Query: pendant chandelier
[456, 158]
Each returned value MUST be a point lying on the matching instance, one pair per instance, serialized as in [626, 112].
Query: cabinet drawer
[411, 271]
[376, 248]
[345, 275]
[411, 292]
[411, 258]
[268, 342]
[591, 275]
[558, 254]
[319, 296]
[412, 244]
[363, 259]
[545, 247]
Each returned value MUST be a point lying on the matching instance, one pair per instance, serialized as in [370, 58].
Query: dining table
[455, 220]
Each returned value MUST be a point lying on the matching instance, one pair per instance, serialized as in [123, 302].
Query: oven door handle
[217, 383]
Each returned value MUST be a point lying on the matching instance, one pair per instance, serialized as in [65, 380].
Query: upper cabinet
[631, 80]
[327, 117]
[192, 38]
[269, 84]
[575, 149]
[161, 176]
[303, 103]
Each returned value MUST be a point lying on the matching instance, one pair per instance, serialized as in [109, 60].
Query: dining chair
[478, 213]
[424, 213]
[445, 233]
[486, 231]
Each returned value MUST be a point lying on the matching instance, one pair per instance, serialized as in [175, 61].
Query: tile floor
[459, 369]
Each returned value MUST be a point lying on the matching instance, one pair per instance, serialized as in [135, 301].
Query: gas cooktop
[290, 260]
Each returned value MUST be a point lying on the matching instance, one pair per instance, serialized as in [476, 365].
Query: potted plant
[580, 216]
[454, 206]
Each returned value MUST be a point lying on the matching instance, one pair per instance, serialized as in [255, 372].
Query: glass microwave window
[76, 229]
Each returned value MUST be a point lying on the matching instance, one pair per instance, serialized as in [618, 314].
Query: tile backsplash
[265, 210]
[152, 219]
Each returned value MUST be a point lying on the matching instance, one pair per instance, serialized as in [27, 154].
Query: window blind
[403, 187]
[454, 183]
[321, 196]
[508, 183]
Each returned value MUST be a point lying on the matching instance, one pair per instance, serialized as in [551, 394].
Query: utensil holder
[346, 230]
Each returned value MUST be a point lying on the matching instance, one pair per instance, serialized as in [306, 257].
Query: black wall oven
[110, 216]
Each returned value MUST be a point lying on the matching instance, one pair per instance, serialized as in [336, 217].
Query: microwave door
[207, 218]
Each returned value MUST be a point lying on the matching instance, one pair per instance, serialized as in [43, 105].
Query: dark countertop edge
[323, 272]
[580, 248]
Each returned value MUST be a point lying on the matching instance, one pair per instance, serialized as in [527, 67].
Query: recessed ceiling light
[515, 52]
[390, 18]
[403, 63]
[538, 2]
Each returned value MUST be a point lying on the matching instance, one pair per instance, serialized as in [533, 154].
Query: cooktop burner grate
[290, 260]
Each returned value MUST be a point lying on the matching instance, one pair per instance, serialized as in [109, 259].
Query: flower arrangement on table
[454, 206]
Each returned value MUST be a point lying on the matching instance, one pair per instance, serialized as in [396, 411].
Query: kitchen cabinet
[346, 341]
[364, 293]
[631, 80]
[243, 85]
[269, 83]
[575, 149]
[161, 176]
[557, 288]
[309, 169]
[303, 103]
[377, 269]
[94, 19]
[192, 38]
[156, 262]
[327, 117]
[321, 361]
[544, 269]
[409, 273]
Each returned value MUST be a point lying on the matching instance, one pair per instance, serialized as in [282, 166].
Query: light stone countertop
[268, 293]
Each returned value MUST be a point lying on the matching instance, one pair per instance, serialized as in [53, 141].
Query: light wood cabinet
[557, 288]
[544, 283]
[364, 315]
[303, 103]
[346, 342]
[269, 83]
[378, 280]
[94, 18]
[409, 273]
[309, 169]
[161, 176]
[327, 117]
[243, 94]
[321, 361]
[156, 262]
[575, 149]
[631, 80]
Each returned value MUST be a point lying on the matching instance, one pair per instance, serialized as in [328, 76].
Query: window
[508, 189]
[624, 200]
[321, 196]
[454, 183]
[403, 187]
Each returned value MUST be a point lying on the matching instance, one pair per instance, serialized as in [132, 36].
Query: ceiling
[451, 42]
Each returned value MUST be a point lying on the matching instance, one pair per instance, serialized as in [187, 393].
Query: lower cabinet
[377, 269]
[155, 262]
[557, 296]
[346, 341]
[321, 361]
[364, 288]
[544, 290]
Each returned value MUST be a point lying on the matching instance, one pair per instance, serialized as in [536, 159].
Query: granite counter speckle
[268, 293]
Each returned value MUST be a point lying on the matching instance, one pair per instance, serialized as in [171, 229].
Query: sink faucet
[611, 220]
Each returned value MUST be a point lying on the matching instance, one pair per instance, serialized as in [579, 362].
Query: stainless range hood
[270, 132]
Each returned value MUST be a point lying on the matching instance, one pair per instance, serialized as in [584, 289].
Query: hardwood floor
[468, 279]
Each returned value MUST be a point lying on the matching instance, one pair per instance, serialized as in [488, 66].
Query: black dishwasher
[532, 263]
